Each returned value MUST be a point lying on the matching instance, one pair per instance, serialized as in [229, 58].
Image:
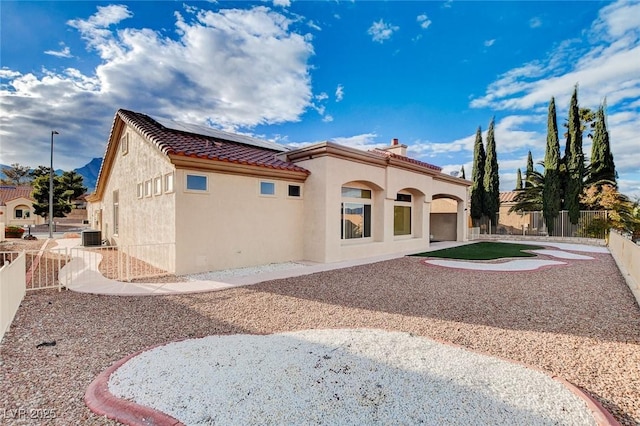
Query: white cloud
[322, 96]
[424, 21]
[282, 3]
[381, 31]
[447, 4]
[64, 53]
[489, 43]
[339, 93]
[237, 68]
[327, 118]
[535, 22]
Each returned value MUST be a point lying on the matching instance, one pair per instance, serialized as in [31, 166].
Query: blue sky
[298, 72]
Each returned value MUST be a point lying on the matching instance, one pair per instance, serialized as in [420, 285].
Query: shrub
[12, 231]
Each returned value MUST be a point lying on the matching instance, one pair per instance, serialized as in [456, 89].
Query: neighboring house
[512, 222]
[201, 199]
[16, 206]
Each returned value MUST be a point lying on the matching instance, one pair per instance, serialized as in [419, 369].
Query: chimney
[397, 148]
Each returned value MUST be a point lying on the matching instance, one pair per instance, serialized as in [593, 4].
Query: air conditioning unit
[91, 238]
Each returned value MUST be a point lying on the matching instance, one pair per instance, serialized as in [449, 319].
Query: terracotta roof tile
[8, 193]
[176, 142]
[508, 196]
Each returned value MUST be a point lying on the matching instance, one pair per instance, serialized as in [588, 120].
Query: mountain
[89, 173]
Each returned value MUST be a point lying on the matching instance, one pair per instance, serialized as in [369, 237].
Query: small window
[348, 192]
[168, 182]
[147, 188]
[18, 214]
[140, 190]
[196, 183]
[124, 144]
[403, 197]
[267, 188]
[294, 190]
[157, 186]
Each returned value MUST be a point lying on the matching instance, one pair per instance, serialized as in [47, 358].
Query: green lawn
[485, 250]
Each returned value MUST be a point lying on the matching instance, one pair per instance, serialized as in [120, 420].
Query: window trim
[267, 182]
[157, 185]
[296, 197]
[403, 200]
[148, 188]
[124, 144]
[195, 190]
[165, 185]
[116, 212]
[140, 190]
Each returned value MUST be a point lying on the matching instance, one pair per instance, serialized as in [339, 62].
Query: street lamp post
[53, 132]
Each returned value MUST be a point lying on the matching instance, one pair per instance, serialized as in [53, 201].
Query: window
[355, 192]
[157, 186]
[402, 215]
[140, 190]
[267, 188]
[168, 182]
[355, 213]
[116, 213]
[294, 190]
[147, 188]
[22, 212]
[196, 183]
[124, 144]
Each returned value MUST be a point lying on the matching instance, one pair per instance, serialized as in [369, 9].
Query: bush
[13, 231]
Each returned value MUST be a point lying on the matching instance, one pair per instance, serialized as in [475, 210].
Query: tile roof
[178, 142]
[407, 159]
[8, 193]
[508, 196]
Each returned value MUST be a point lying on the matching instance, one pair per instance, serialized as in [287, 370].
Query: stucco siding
[232, 225]
[145, 220]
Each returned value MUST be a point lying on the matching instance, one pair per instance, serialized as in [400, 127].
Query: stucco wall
[322, 208]
[232, 225]
[9, 213]
[147, 220]
[444, 226]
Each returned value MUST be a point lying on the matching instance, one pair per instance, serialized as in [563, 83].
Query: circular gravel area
[341, 377]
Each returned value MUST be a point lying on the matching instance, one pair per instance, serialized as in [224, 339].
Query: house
[16, 206]
[201, 199]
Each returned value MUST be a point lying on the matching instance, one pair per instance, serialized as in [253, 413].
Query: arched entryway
[446, 219]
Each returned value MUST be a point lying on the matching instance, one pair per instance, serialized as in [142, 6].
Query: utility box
[91, 238]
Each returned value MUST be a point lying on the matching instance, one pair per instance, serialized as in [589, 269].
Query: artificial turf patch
[485, 250]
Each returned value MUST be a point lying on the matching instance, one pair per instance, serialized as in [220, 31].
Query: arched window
[355, 213]
[22, 212]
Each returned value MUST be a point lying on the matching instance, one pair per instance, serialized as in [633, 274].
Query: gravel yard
[579, 321]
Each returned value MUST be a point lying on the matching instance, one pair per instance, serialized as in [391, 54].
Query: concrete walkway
[81, 274]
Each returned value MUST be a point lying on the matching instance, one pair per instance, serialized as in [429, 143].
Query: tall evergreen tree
[574, 160]
[462, 174]
[477, 177]
[519, 180]
[529, 173]
[61, 205]
[491, 177]
[551, 191]
[602, 165]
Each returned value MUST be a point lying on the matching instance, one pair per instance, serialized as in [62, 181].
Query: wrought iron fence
[591, 224]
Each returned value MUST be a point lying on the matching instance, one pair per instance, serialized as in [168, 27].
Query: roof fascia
[227, 167]
[331, 149]
[108, 158]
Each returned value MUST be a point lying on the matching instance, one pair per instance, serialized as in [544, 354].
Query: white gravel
[349, 376]
[562, 254]
[511, 265]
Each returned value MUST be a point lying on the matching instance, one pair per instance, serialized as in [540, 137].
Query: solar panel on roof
[209, 131]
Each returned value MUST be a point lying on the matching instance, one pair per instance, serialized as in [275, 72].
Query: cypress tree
[574, 160]
[462, 175]
[519, 180]
[529, 173]
[551, 190]
[491, 177]
[477, 176]
[602, 165]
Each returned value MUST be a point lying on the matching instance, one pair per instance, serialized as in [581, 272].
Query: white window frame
[405, 204]
[357, 201]
[124, 144]
[267, 182]
[148, 188]
[157, 185]
[196, 191]
[169, 182]
[140, 190]
[295, 197]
